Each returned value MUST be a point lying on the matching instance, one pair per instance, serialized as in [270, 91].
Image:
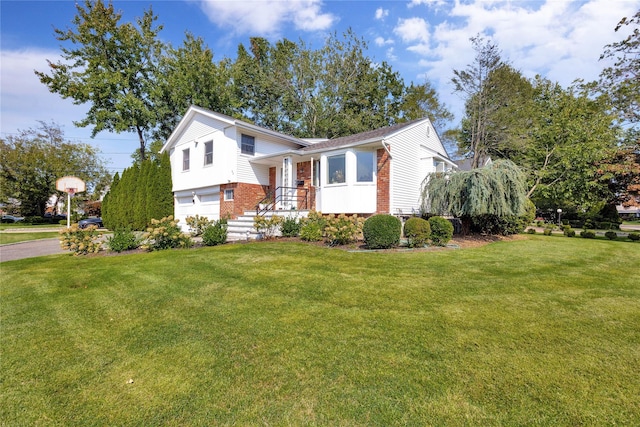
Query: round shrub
[441, 230]
[290, 227]
[570, 233]
[417, 231]
[382, 231]
[215, 234]
[634, 236]
[611, 235]
[122, 240]
[547, 231]
[531, 230]
[587, 234]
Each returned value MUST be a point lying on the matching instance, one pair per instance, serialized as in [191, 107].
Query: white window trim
[227, 199]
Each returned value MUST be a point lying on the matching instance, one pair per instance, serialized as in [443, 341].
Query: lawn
[15, 237]
[538, 331]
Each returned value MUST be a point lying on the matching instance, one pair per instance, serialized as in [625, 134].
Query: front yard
[536, 330]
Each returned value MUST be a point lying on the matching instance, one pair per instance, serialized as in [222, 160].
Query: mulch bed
[458, 242]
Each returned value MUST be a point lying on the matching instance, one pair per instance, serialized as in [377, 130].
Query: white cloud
[381, 41]
[429, 3]
[414, 31]
[391, 55]
[267, 17]
[381, 13]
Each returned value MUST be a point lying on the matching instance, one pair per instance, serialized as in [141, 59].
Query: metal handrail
[270, 202]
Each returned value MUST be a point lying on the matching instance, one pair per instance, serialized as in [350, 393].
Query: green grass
[532, 332]
[23, 237]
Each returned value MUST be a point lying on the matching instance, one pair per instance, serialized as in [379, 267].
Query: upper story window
[185, 160]
[248, 145]
[336, 171]
[364, 167]
[208, 153]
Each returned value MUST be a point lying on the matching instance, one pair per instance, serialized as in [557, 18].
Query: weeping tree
[491, 199]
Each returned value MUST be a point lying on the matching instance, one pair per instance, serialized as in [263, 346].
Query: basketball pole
[68, 209]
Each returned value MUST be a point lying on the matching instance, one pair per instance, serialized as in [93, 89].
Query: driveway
[30, 249]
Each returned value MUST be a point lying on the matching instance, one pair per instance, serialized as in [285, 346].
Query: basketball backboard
[70, 184]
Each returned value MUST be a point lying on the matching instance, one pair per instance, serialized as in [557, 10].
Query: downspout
[386, 148]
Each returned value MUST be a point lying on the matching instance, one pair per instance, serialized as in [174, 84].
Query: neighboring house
[465, 164]
[224, 167]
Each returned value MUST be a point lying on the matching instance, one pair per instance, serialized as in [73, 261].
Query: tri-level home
[224, 167]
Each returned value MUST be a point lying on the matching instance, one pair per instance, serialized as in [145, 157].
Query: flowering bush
[197, 224]
[312, 227]
[268, 226]
[81, 241]
[165, 234]
[343, 229]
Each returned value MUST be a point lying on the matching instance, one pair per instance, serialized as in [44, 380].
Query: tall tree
[472, 84]
[421, 100]
[622, 80]
[571, 134]
[32, 161]
[189, 76]
[112, 66]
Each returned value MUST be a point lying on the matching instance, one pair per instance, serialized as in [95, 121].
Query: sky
[423, 40]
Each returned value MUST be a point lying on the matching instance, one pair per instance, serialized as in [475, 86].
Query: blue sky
[421, 39]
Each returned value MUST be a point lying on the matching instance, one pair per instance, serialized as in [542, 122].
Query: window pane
[228, 194]
[248, 145]
[185, 159]
[208, 153]
[335, 169]
[365, 166]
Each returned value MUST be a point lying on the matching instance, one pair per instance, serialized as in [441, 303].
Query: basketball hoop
[70, 185]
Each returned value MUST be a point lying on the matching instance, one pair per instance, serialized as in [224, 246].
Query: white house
[222, 166]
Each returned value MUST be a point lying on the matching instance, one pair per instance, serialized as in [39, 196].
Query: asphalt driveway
[30, 249]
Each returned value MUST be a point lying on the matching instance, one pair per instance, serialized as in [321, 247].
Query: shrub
[382, 231]
[197, 224]
[588, 224]
[587, 234]
[215, 233]
[267, 225]
[547, 231]
[570, 233]
[35, 220]
[611, 235]
[165, 234]
[417, 231]
[531, 230]
[81, 241]
[634, 236]
[122, 240]
[342, 229]
[312, 227]
[290, 227]
[441, 230]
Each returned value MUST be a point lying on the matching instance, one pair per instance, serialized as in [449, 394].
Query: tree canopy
[32, 161]
[112, 66]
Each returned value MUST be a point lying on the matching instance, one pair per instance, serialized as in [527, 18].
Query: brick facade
[245, 198]
[303, 178]
[383, 194]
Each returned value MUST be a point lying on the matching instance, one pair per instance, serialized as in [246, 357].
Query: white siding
[254, 173]
[199, 131]
[351, 196]
[407, 169]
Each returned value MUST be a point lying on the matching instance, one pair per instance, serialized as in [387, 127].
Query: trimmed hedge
[382, 231]
[417, 231]
[441, 230]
